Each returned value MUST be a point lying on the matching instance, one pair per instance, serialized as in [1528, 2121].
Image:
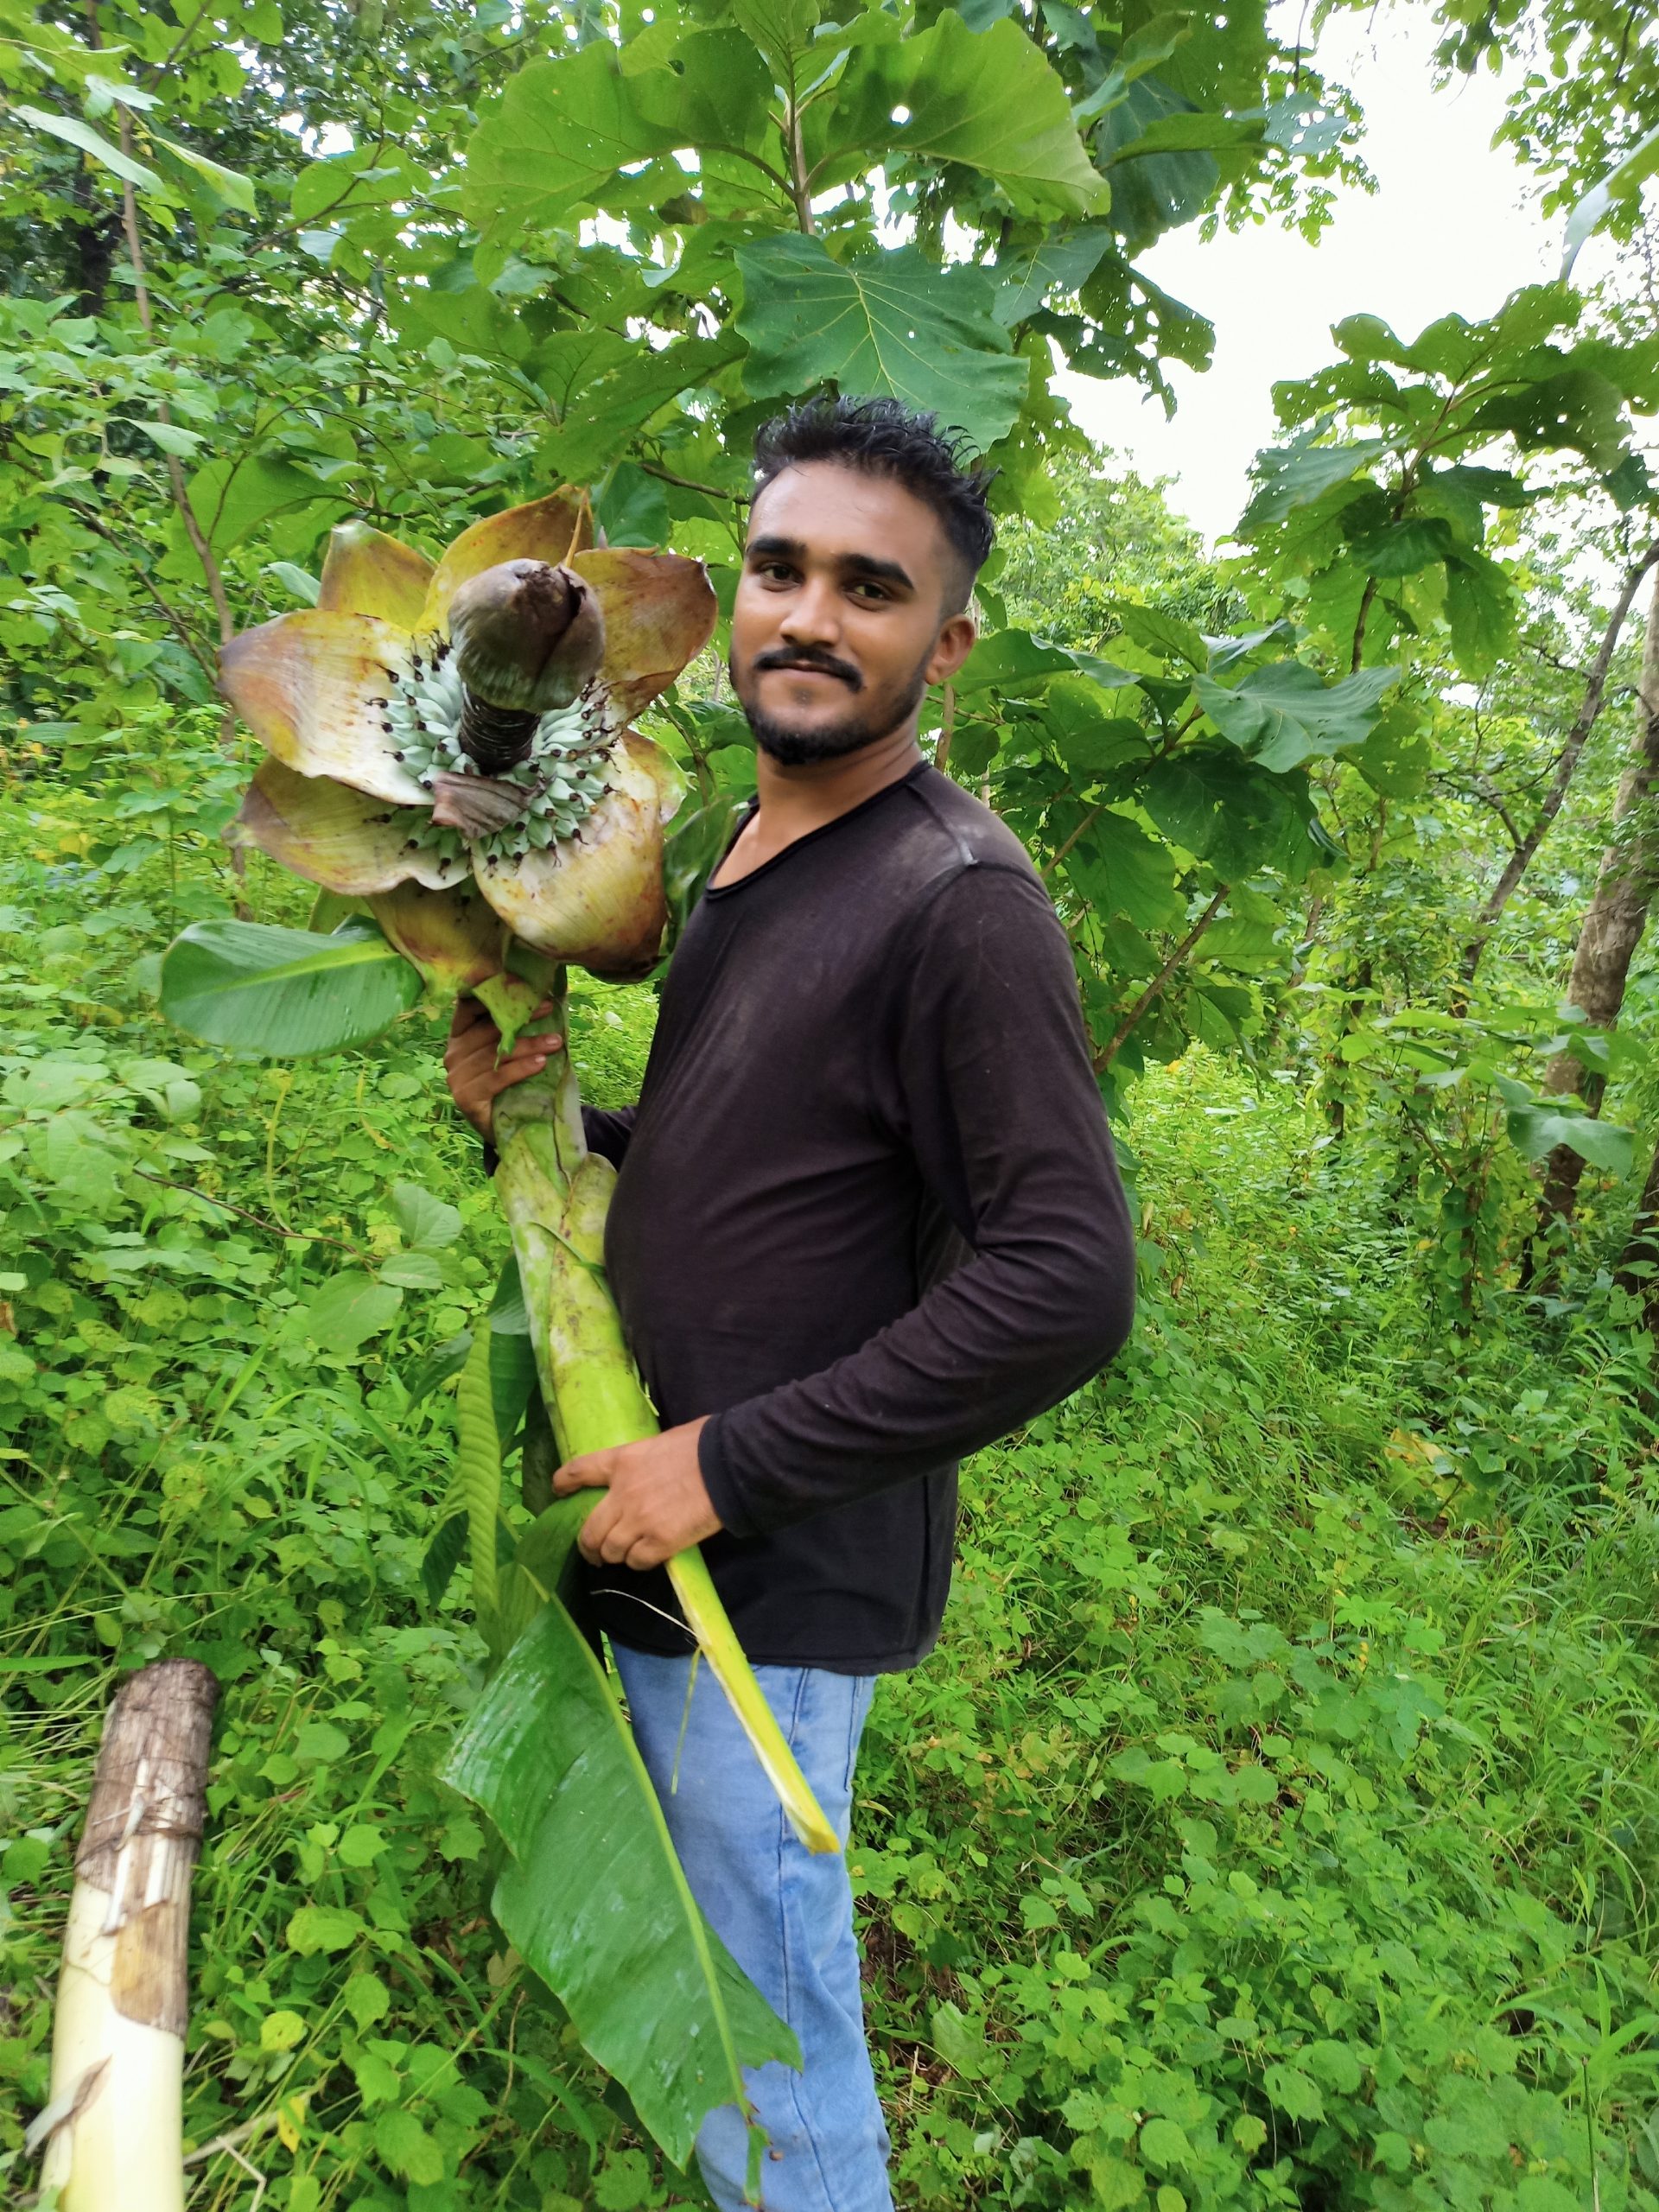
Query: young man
[867, 1221]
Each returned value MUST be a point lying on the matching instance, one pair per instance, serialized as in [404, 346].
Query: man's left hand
[655, 1503]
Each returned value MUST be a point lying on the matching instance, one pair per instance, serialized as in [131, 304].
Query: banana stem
[554, 1193]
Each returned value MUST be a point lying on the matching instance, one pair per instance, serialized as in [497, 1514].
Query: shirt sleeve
[988, 1062]
[607, 1130]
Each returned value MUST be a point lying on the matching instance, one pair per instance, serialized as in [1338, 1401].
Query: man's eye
[775, 572]
[869, 591]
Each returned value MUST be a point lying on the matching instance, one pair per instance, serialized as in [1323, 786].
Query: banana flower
[463, 729]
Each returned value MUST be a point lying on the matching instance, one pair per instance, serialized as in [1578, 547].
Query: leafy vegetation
[1276, 1825]
[1277, 1818]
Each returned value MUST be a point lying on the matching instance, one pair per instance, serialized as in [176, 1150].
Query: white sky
[1447, 231]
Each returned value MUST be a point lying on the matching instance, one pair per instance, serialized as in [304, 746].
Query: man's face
[843, 617]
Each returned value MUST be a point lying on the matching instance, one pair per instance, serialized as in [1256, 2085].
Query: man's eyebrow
[852, 564]
[870, 564]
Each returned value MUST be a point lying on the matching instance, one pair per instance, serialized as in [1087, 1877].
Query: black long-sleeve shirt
[866, 1217]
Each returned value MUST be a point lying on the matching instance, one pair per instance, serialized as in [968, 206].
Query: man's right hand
[476, 1078]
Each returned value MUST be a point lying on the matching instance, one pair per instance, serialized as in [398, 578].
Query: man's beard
[865, 725]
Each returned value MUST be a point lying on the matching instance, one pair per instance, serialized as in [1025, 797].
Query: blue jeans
[784, 1913]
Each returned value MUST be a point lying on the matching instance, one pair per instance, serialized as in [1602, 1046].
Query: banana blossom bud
[463, 729]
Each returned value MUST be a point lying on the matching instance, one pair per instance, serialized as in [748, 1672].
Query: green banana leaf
[593, 1897]
[285, 994]
[695, 847]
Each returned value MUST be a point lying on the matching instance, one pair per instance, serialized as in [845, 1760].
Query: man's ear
[951, 647]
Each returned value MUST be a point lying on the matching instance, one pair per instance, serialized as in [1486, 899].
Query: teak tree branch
[1082, 830]
[800, 185]
[1479, 787]
[1589, 710]
[689, 483]
[271, 1228]
[174, 620]
[1104, 1057]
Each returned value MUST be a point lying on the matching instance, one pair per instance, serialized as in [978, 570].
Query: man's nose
[813, 615]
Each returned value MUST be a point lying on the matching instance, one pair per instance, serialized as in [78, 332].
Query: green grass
[1276, 1825]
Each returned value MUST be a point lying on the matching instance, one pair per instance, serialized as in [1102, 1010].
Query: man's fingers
[602, 1538]
[529, 1047]
[531, 1052]
[615, 1545]
[614, 1540]
[476, 1061]
[472, 1025]
[591, 1471]
[481, 1048]
[588, 1540]
[654, 1503]
[470, 1061]
[523, 1060]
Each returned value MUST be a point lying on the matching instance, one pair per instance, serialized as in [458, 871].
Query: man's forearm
[1005, 1337]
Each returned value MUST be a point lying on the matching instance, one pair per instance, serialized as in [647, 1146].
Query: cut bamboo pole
[113, 2124]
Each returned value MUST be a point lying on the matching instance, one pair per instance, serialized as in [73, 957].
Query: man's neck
[795, 801]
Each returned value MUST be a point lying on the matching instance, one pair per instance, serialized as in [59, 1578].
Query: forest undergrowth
[1276, 1824]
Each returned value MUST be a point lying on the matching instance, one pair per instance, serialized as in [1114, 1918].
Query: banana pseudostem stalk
[554, 1193]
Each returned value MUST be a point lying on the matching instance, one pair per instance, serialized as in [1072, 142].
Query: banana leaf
[286, 994]
[593, 1897]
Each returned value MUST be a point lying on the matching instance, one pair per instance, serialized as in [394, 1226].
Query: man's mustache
[821, 663]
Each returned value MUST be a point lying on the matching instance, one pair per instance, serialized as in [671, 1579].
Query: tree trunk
[113, 2126]
[1613, 924]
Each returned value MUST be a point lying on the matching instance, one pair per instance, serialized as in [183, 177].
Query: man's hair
[882, 438]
